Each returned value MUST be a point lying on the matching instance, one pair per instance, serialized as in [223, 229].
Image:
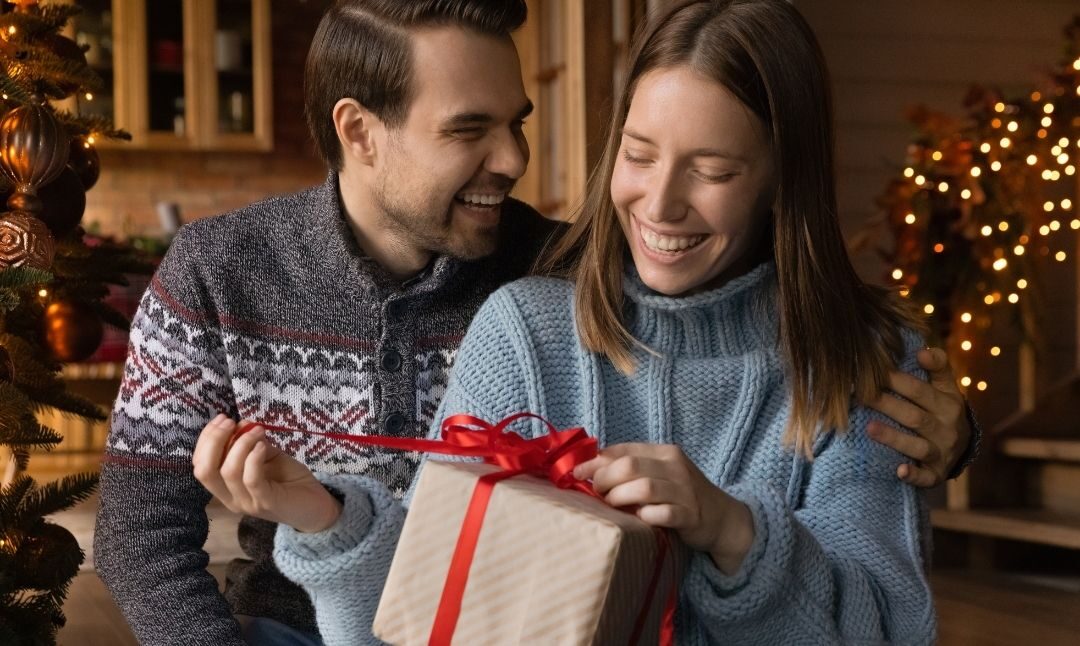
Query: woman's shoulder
[537, 297]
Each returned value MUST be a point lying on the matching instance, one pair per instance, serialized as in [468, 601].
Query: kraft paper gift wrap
[552, 566]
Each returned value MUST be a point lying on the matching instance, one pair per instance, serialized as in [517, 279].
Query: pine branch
[11, 497]
[55, 496]
[70, 404]
[33, 369]
[27, 436]
[15, 89]
[16, 277]
[19, 428]
[99, 126]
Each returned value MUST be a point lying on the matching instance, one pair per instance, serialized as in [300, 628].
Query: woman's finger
[206, 458]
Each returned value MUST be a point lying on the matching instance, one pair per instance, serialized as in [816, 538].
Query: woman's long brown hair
[840, 337]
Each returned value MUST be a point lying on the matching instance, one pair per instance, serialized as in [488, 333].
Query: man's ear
[357, 130]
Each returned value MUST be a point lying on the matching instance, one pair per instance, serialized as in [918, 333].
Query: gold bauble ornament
[25, 241]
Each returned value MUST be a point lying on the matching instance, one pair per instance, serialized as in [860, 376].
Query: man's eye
[467, 132]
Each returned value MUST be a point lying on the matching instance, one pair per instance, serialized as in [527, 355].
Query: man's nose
[509, 155]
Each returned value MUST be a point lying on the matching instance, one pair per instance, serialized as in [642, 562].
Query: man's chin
[474, 246]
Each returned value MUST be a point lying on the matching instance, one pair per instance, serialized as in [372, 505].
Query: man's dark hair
[361, 50]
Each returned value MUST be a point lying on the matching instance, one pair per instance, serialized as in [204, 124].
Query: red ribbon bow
[552, 456]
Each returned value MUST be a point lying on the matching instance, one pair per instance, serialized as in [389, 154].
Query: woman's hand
[935, 411]
[668, 490]
[252, 477]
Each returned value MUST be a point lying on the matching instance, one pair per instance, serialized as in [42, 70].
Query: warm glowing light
[909, 172]
[1055, 176]
[965, 346]
[976, 171]
[996, 166]
[1000, 264]
[1042, 133]
[965, 194]
[43, 292]
[1047, 175]
[897, 274]
[982, 385]
[11, 29]
[1018, 250]
[1036, 96]
[89, 96]
[90, 140]
[1063, 158]
[943, 187]
[929, 309]
[1014, 298]
[1055, 225]
[1060, 256]
[966, 317]
[937, 156]
[1070, 170]
[989, 300]
[1046, 122]
[1044, 230]
[1003, 226]
[909, 218]
[1005, 142]
[1076, 64]
[1074, 225]
[1066, 204]
[905, 292]
[1013, 126]
[987, 230]
[1048, 206]
[995, 351]
[1032, 160]
[920, 180]
[1021, 284]
[965, 381]
[1055, 151]
[985, 147]
[1000, 107]
[1048, 108]
[938, 248]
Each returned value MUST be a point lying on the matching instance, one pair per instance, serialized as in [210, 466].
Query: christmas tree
[51, 288]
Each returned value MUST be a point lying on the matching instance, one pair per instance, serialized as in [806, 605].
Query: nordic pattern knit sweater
[271, 312]
[839, 555]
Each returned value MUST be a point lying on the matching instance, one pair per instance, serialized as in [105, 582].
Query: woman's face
[693, 182]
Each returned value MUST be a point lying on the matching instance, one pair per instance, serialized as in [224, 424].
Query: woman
[712, 333]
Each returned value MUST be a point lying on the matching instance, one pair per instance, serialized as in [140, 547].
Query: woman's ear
[357, 131]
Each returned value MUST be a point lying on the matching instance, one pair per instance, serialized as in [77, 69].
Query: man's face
[446, 171]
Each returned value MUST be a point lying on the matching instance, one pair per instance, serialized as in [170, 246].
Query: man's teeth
[483, 200]
[668, 243]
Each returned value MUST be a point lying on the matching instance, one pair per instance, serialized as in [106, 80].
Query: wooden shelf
[1059, 450]
[1027, 525]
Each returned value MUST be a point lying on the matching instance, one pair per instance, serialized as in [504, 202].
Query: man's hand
[934, 411]
[250, 476]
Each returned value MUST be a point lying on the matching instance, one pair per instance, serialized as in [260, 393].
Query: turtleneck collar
[329, 238]
[740, 316]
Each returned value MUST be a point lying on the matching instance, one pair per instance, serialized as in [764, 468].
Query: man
[340, 308]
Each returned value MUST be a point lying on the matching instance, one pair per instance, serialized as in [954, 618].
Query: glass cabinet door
[237, 110]
[93, 30]
[166, 106]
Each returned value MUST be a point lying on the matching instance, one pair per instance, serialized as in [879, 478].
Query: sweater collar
[329, 238]
[740, 316]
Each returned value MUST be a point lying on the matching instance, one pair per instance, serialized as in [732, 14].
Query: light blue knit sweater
[840, 549]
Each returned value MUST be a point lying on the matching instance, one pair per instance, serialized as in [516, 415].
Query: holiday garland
[983, 205]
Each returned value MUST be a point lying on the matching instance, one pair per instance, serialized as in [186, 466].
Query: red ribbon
[552, 456]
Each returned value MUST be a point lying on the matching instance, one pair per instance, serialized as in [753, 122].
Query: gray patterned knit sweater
[273, 313]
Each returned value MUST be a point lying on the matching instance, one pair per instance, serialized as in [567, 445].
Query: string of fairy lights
[983, 205]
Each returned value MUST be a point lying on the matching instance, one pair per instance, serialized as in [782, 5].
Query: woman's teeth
[669, 243]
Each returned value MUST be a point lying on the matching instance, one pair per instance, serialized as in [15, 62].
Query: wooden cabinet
[181, 74]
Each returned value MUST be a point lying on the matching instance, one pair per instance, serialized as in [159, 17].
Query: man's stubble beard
[434, 233]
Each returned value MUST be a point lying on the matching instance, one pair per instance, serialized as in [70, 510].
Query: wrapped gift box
[551, 566]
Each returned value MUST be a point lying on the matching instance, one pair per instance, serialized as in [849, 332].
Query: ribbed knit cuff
[349, 530]
[726, 598]
[973, 445]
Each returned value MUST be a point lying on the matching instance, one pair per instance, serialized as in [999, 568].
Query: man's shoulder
[267, 218]
[523, 235]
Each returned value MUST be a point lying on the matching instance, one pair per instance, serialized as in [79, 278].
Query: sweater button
[391, 360]
[394, 423]
[395, 309]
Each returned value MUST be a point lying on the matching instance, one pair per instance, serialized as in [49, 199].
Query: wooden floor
[973, 609]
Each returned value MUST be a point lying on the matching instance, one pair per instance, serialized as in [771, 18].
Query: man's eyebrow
[464, 119]
[700, 152]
